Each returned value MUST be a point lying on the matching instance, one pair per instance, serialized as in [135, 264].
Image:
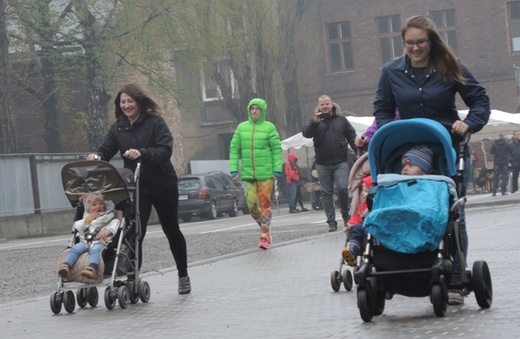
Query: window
[445, 24]
[339, 43]
[390, 42]
[209, 84]
[514, 24]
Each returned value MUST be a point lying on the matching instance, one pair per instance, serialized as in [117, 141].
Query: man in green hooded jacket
[257, 142]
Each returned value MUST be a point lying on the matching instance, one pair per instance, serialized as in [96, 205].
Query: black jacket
[501, 152]
[515, 152]
[151, 136]
[331, 137]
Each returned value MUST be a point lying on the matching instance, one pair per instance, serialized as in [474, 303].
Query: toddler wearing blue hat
[417, 161]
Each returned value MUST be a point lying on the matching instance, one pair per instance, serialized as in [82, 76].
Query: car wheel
[186, 217]
[212, 214]
[233, 212]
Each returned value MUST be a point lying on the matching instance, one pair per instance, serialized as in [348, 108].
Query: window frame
[204, 88]
[393, 36]
[511, 24]
[346, 62]
[447, 32]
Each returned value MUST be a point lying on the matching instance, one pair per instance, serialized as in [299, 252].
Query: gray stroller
[120, 258]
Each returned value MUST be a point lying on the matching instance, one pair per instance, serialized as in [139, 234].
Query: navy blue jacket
[430, 98]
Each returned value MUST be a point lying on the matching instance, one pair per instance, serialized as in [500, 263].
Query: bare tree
[7, 118]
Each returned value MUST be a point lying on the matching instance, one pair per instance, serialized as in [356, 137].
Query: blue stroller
[412, 229]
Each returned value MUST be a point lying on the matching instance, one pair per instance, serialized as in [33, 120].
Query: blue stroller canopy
[389, 140]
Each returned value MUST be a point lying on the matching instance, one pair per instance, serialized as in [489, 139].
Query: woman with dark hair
[423, 84]
[141, 135]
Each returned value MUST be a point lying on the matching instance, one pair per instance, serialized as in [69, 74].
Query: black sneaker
[184, 285]
[333, 227]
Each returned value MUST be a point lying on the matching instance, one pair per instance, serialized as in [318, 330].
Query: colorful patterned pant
[258, 197]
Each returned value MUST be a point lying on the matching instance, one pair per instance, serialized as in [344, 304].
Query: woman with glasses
[423, 84]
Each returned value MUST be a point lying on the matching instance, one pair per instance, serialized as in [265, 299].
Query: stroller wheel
[55, 302]
[439, 301]
[123, 296]
[69, 303]
[110, 300]
[133, 292]
[481, 284]
[144, 291]
[347, 279]
[377, 296]
[92, 296]
[335, 281]
[363, 303]
[81, 297]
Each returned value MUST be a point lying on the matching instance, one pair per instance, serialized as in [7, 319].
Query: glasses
[411, 43]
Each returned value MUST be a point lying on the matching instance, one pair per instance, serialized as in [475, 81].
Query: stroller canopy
[82, 177]
[393, 140]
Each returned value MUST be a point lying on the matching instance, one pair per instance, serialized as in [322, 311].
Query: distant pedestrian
[257, 142]
[515, 160]
[331, 133]
[292, 177]
[501, 151]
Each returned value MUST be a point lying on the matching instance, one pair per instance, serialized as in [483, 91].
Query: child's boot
[350, 253]
[63, 272]
[89, 272]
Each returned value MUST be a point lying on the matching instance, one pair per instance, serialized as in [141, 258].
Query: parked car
[209, 195]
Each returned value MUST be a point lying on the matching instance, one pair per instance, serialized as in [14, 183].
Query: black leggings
[166, 205]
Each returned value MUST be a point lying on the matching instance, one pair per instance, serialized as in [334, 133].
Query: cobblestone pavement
[285, 292]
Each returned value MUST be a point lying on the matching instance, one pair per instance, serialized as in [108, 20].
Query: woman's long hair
[146, 104]
[442, 59]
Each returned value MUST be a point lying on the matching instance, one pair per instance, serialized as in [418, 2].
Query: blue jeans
[503, 172]
[330, 175]
[292, 187]
[80, 248]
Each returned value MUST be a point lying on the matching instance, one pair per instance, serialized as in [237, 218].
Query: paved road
[284, 292]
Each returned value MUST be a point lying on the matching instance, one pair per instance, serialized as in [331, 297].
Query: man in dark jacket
[502, 154]
[331, 133]
[515, 160]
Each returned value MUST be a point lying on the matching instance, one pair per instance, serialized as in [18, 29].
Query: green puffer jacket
[259, 146]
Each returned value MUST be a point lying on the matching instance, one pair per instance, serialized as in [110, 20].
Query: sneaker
[333, 227]
[264, 242]
[304, 209]
[350, 254]
[64, 270]
[184, 285]
[89, 272]
[455, 298]
[294, 211]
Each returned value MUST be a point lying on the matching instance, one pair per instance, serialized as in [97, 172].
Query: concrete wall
[46, 224]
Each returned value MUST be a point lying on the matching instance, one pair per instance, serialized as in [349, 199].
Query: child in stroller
[359, 174]
[96, 230]
[417, 161]
[412, 229]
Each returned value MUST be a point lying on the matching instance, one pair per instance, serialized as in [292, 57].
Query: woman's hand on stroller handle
[93, 156]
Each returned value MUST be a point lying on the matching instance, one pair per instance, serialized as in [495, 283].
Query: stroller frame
[120, 186]
[375, 284]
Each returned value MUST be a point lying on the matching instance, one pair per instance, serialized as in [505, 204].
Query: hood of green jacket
[263, 106]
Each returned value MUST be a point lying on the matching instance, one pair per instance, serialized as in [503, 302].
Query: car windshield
[189, 183]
